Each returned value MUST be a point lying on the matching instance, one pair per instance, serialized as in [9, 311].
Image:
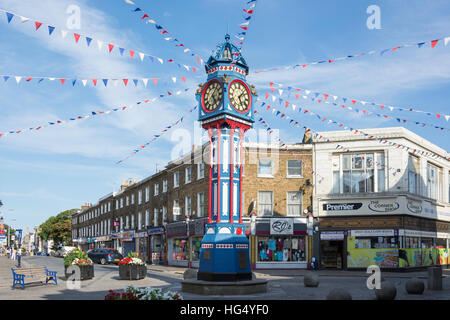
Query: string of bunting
[419, 45]
[325, 96]
[284, 145]
[355, 131]
[80, 117]
[100, 43]
[163, 31]
[94, 81]
[245, 25]
[318, 136]
[155, 137]
[365, 112]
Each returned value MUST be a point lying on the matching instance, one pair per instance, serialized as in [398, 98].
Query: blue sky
[57, 168]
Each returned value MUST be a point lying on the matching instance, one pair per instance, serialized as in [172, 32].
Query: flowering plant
[77, 257]
[132, 259]
[132, 293]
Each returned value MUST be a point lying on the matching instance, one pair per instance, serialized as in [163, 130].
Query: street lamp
[188, 240]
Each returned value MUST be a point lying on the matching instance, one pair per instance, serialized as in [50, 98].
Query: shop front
[141, 238]
[157, 245]
[117, 242]
[178, 244]
[196, 233]
[104, 242]
[280, 243]
[128, 242]
[332, 249]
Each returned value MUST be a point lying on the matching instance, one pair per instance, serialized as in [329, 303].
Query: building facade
[382, 201]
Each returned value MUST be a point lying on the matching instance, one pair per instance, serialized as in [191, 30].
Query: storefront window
[376, 242]
[196, 245]
[180, 249]
[427, 243]
[441, 243]
[281, 249]
[411, 242]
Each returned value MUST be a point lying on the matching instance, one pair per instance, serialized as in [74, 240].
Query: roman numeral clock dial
[239, 96]
[212, 96]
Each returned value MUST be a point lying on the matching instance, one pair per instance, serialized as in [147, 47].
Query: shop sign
[157, 230]
[332, 235]
[141, 234]
[116, 235]
[281, 226]
[104, 238]
[414, 206]
[383, 205]
[373, 233]
[417, 233]
[128, 234]
[177, 228]
[342, 206]
[442, 235]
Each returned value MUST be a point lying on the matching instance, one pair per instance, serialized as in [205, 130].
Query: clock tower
[226, 112]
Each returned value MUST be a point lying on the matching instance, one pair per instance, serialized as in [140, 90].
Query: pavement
[282, 284]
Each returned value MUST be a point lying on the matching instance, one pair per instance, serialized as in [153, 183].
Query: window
[294, 203]
[140, 197]
[132, 198]
[176, 210]
[127, 224]
[265, 168]
[434, 180]
[165, 185]
[117, 204]
[265, 203]
[188, 206]
[294, 168]
[176, 179]
[359, 173]
[188, 172]
[109, 206]
[121, 223]
[164, 214]
[140, 220]
[156, 189]
[127, 201]
[147, 194]
[132, 221]
[121, 202]
[200, 170]
[200, 204]
[147, 217]
[155, 216]
[413, 174]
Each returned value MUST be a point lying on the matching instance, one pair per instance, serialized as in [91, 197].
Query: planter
[86, 272]
[132, 272]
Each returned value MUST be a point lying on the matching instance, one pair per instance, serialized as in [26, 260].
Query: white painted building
[382, 190]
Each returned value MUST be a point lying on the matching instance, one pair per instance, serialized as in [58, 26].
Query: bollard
[435, 278]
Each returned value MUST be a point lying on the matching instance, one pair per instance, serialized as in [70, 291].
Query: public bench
[20, 275]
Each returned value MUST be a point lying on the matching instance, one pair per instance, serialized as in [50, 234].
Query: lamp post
[188, 219]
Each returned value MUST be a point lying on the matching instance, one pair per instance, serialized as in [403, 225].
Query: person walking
[14, 252]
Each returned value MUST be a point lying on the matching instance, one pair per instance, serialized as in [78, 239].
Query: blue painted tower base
[224, 254]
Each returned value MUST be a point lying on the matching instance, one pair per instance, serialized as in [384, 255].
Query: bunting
[245, 25]
[110, 47]
[94, 81]
[325, 96]
[355, 131]
[155, 137]
[80, 117]
[363, 111]
[163, 31]
[419, 45]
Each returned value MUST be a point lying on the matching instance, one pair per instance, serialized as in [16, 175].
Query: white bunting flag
[64, 33]
[99, 44]
[141, 55]
[24, 19]
[446, 40]
[145, 81]
[84, 81]
[174, 79]
[18, 79]
[160, 60]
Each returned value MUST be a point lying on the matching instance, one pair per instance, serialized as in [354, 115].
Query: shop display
[281, 249]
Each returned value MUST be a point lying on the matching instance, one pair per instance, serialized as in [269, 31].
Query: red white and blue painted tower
[226, 111]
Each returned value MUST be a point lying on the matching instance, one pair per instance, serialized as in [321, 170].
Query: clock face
[239, 96]
[212, 95]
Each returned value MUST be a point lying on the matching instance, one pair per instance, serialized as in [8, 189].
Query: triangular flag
[50, 30]
[446, 40]
[18, 79]
[88, 41]
[77, 37]
[125, 81]
[38, 24]
[145, 81]
[135, 82]
[62, 80]
[110, 46]
[64, 33]
[99, 44]
[433, 43]
[84, 82]
[24, 19]
[105, 81]
[141, 55]
[94, 81]
[184, 79]
[155, 81]
[9, 16]
[121, 51]
[131, 54]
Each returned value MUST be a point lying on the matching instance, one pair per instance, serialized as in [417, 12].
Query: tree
[58, 229]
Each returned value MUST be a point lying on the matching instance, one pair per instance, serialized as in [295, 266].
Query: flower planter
[86, 272]
[132, 272]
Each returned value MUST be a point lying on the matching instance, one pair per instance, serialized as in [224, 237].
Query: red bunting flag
[267, 95]
[433, 43]
[287, 104]
[248, 11]
[155, 81]
[94, 81]
[169, 93]
[145, 16]
[184, 79]
[131, 54]
[28, 78]
[111, 46]
[245, 28]
[125, 81]
[381, 106]
[354, 101]
[326, 96]
[272, 89]
[297, 95]
[330, 61]
[170, 60]
[77, 37]
[62, 81]
[38, 24]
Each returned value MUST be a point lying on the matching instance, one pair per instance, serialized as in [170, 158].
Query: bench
[36, 274]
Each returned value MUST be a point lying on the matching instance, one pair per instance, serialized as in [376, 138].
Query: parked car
[104, 256]
[42, 254]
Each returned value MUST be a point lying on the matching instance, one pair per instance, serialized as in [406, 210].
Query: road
[282, 284]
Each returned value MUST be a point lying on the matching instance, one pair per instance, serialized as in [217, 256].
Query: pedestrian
[8, 252]
[14, 252]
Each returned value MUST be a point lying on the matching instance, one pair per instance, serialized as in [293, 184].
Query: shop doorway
[331, 253]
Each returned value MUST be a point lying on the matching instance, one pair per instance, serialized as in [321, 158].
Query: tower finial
[227, 37]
